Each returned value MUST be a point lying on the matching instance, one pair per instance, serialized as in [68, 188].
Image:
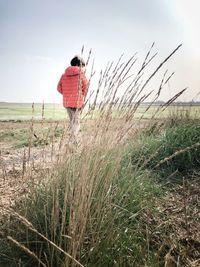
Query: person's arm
[59, 87]
[84, 84]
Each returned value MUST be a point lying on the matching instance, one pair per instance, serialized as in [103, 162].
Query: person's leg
[75, 123]
[70, 114]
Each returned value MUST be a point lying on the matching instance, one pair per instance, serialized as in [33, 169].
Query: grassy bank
[101, 205]
[176, 148]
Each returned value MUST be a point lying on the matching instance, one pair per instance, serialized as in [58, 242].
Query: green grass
[152, 147]
[14, 137]
[18, 138]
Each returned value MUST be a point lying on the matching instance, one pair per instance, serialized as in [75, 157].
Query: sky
[38, 38]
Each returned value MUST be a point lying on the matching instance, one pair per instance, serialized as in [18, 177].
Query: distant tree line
[178, 103]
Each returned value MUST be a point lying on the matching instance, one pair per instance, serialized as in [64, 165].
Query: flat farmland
[25, 111]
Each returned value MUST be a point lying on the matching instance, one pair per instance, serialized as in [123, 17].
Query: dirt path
[14, 164]
[17, 169]
[19, 166]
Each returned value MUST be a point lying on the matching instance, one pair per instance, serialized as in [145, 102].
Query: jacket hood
[72, 71]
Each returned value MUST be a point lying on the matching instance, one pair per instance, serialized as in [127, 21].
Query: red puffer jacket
[73, 86]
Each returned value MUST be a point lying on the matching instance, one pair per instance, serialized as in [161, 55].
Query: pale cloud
[37, 58]
[188, 15]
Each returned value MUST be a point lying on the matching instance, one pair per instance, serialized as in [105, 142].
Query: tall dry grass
[89, 208]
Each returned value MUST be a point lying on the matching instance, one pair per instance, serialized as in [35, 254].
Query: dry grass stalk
[24, 164]
[43, 114]
[79, 195]
[185, 206]
[162, 84]
[179, 152]
[108, 100]
[31, 227]
[30, 133]
[3, 168]
[158, 68]
[169, 259]
[163, 107]
[26, 250]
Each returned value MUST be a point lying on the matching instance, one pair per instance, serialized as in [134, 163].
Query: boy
[73, 86]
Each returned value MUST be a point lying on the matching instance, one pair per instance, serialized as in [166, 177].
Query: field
[23, 111]
[128, 196]
[52, 112]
